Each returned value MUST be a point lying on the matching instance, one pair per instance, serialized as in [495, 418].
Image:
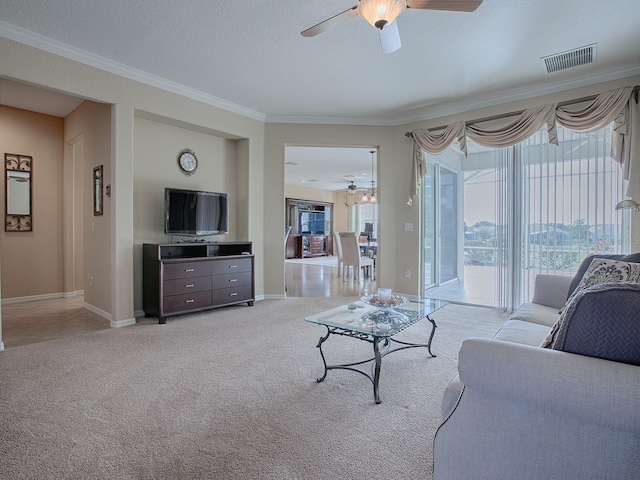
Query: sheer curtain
[536, 208]
[568, 202]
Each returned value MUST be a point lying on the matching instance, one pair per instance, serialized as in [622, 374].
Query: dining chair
[351, 257]
[336, 238]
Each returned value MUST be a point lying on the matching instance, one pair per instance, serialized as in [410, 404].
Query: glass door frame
[435, 170]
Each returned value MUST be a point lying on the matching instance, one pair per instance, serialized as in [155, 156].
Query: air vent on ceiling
[570, 59]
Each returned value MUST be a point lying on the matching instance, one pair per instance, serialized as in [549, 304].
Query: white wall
[126, 97]
[260, 165]
[393, 175]
[155, 167]
[87, 134]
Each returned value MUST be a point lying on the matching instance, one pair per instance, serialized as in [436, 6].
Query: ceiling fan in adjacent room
[382, 13]
[358, 195]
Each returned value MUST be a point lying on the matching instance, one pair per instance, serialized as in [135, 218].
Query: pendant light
[372, 191]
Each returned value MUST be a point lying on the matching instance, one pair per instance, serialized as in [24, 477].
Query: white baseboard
[122, 323]
[138, 313]
[1, 346]
[47, 296]
[97, 311]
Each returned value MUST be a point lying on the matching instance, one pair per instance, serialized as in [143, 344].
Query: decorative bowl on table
[391, 302]
[384, 317]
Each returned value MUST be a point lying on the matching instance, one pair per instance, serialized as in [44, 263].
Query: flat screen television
[193, 212]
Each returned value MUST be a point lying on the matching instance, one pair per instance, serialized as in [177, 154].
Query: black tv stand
[188, 277]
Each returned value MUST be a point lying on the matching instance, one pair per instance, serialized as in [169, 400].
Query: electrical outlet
[91, 280]
[407, 273]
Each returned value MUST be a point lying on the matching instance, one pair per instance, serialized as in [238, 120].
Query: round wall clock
[187, 161]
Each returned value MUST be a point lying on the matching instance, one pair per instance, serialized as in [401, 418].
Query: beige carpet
[227, 394]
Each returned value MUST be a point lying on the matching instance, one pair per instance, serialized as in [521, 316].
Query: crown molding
[427, 113]
[61, 49]
[316, 120]
[520, 93]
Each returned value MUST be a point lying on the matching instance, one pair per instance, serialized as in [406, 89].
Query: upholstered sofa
[518, 411]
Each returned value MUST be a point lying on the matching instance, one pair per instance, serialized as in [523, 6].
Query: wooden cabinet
[300, 246]
[189, 277]
[316, 245]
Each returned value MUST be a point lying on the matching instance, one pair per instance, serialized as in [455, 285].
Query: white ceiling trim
[58, 48]
[522, 93]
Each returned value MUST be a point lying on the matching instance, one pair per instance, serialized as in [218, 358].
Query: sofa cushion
[534, 313]
[602, 321]
[605, 270]
[524, 333]
[600, 271]
[631, 257]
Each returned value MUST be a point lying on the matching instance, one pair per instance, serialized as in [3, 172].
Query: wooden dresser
[182, 278]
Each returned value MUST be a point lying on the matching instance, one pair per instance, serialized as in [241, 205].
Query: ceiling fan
[359, 195]
[382, 13]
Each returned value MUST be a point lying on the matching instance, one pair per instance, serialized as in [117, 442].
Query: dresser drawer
[186, 285]
[231, 280]
[224, 296]
[186, 270]
[187, 301]
[231, 265]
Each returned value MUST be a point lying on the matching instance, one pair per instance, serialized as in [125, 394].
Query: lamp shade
[380, 13]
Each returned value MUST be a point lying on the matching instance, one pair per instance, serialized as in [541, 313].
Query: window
[528, 209]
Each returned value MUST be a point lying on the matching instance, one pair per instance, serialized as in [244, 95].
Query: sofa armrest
[528, 412]
[551, 290]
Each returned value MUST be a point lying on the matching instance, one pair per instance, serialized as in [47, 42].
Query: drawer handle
[191, 300]
[233, 280]
[233, 294]
[190, 285]
[233, 266]
[189, 270]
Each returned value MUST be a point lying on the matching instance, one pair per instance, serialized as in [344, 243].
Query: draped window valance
[619, 106]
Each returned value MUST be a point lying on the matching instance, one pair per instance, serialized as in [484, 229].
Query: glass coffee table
[370, 322]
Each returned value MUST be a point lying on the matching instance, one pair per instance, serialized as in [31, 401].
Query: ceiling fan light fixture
[380, 13]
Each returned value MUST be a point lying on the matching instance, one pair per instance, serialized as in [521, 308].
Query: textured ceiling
[249, 57]
[251, 54]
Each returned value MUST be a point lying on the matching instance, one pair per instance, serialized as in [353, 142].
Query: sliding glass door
[448, 215]
[440, 226]
[528, 209]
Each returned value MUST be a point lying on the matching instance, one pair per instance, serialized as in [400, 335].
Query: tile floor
[43, 320]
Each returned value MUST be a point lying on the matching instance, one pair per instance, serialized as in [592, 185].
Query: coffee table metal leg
[377, 364]
[319, 346]
[433, 331]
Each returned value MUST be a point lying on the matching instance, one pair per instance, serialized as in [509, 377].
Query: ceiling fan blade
[330, 22]
[390, 38]
[450, 5]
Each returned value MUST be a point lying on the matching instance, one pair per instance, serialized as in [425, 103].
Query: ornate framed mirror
[18, 194]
